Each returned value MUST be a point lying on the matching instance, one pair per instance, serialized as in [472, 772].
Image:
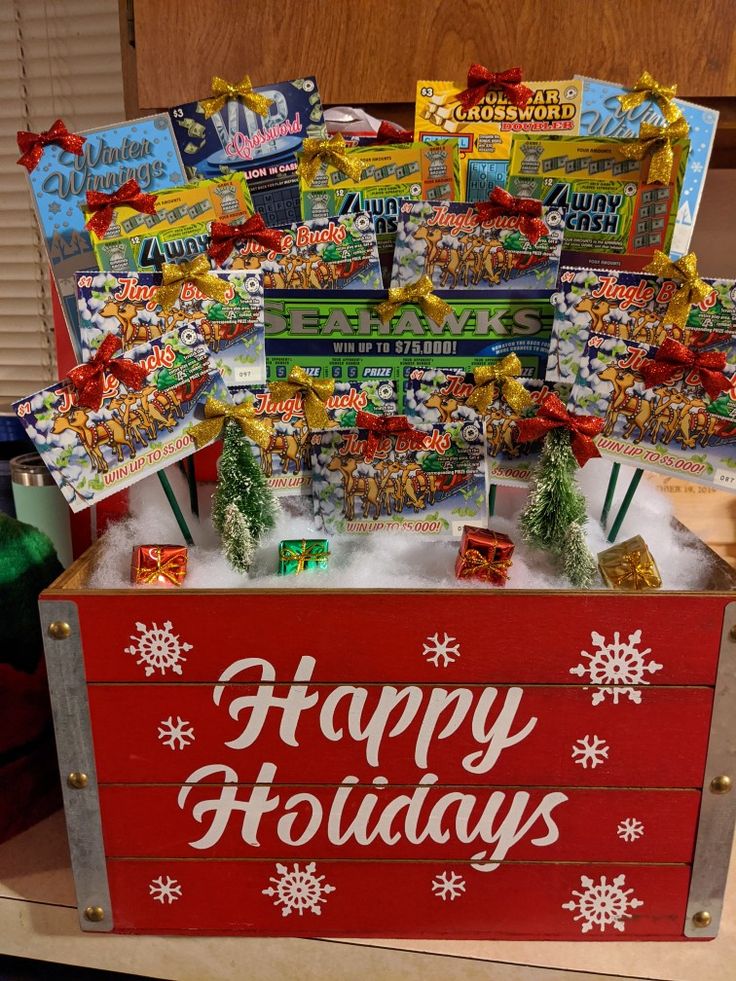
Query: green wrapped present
[303, 554]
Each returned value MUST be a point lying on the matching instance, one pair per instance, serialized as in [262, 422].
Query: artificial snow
[391, 560]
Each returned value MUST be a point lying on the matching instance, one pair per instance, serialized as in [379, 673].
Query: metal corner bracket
[718, 803]
[68, 686]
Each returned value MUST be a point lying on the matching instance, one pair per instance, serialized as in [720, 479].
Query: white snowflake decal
[175, 735]
[164, 889]
[158, 648]
[616, 667]
[298, 890]
[603, 904]
[696, 166]
[448, 885]
[446, 650]
[590, 750]
[630, 829]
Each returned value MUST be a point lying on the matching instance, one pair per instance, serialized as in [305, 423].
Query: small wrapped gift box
[302, 555]
[484, 555]
[158, 565]
[629, 566]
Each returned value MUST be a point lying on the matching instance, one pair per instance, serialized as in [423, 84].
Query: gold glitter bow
[421, 293]
[222, 91]
[475, 565]
[505, 373]
[196, 271]
[216, 414]
[656, 141]
[692, 288]
[333, 151]
[314, 391]
[647, 87]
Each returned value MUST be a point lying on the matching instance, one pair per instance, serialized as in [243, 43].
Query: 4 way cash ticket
[613, 217]
[391, 175]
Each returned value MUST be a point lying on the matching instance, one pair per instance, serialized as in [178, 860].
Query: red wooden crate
[496, 764]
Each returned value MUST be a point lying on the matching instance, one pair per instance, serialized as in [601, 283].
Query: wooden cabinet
[375, 52]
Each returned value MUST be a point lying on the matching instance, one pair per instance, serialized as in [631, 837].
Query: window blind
[58, 59]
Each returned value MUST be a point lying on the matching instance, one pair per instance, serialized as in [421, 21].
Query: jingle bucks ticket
[430, 483]
[285, 461]
[674, 428]
[125, 304]
[92, 454]
[627, 306]
[449, 243]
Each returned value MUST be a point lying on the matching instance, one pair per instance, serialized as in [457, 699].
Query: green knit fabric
[28, 564]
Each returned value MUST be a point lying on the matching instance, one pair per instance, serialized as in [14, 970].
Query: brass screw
[77, 780]
[721, 784]
[732, 633]
[96, 913]
[59, 630]
[702, 918]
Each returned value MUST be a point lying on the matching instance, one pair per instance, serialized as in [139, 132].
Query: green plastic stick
[491, 500]
[174, 505]
[192, 481]
[610, 490]
[628, 498]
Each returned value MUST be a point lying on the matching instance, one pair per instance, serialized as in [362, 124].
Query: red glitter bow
[391, 133]
[89, 378]
[527, 210]
[103, 205]
[553, 415]
[223, 237]
[32, 145]
[480, 81]
[671, 356]
[379, 426]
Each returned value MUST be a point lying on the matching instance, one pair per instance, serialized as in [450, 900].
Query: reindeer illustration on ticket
[286, 459]
[669, 407]
[425, 479]
[126, 305]
[94, 451]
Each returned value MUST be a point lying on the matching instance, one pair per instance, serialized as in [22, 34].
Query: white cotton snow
[392, 560]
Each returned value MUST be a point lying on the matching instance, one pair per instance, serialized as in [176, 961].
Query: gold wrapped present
[629, 566]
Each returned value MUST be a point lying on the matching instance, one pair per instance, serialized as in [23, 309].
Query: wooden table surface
[38, 919]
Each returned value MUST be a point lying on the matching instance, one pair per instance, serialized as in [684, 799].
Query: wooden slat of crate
[511, 636]
[519, 736]
[396, 899]
[400, 822]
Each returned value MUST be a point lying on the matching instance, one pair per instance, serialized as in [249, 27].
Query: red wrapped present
[484, 555]
[158, 565]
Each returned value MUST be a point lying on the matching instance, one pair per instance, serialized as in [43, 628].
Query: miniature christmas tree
[243, 507]
[579, 565]
[555, 514]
